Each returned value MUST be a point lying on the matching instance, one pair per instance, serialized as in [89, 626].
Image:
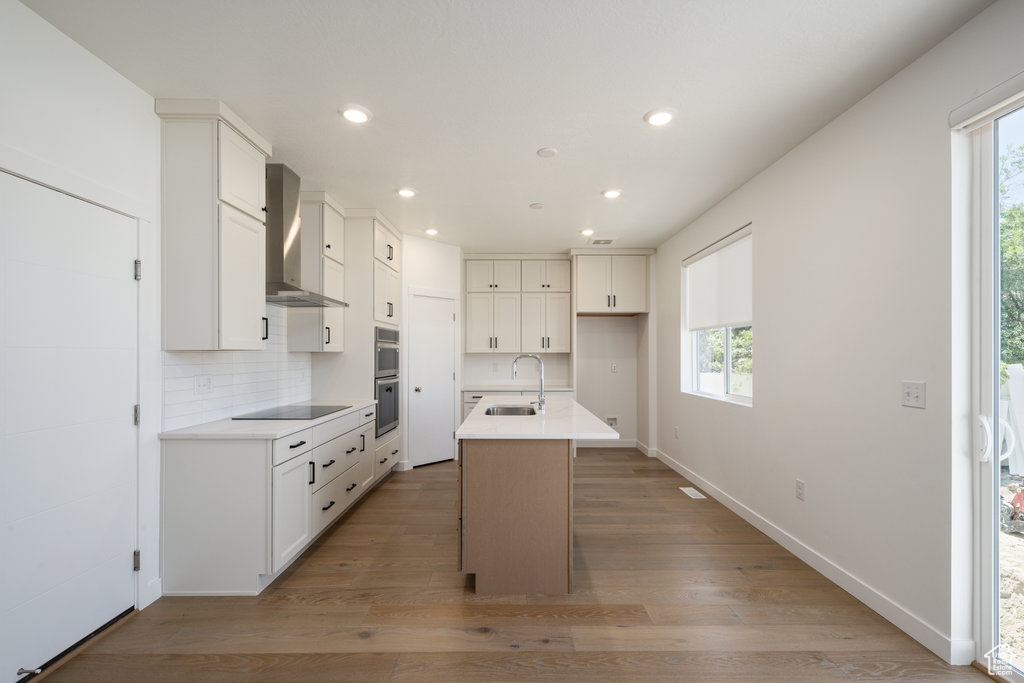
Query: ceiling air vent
[601, 242]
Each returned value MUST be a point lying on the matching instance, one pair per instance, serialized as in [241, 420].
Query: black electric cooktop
[295, 411]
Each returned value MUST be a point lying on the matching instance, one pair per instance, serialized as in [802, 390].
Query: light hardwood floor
[666, 588]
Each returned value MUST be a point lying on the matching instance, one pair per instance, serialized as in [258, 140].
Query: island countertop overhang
[564, 418]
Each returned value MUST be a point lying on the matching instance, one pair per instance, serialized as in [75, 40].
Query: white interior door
[68, 383]
[432, 395]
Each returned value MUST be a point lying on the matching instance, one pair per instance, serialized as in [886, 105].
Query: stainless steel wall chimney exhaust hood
[284, 245]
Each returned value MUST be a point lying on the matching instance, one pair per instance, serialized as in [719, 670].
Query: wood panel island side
[515, 494]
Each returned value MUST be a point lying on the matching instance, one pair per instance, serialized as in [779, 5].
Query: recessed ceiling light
[659, 117]
[546, 152]
[536, 205]
[612, 194]
[587, 233]
[356, 113]
[431, 231]
[406, 192]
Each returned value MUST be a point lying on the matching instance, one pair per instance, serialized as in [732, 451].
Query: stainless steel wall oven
[386, 383]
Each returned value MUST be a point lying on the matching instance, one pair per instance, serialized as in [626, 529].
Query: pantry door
[432, 395]
[68, 444]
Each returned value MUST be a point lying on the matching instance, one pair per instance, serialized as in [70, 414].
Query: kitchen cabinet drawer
[325, 431]
[287, 447]
[332, 459]
[327, 504]
[387, 456]
[368, 414]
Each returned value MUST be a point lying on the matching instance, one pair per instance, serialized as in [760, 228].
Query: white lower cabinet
[237, 511]
[291, 532]
[388, 453]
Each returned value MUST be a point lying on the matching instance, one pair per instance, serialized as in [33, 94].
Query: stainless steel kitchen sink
[510, 410]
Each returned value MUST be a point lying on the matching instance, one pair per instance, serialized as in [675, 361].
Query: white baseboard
[957, 652]
[606, 443]
[644, 448]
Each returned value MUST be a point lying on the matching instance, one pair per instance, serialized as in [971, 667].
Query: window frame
[726, 365]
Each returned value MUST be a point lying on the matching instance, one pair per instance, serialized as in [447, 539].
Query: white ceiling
[464, 92]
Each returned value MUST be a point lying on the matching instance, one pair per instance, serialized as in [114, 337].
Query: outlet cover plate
[913, 394]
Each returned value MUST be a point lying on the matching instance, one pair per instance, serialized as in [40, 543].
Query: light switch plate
[202, 384]
[913, 394]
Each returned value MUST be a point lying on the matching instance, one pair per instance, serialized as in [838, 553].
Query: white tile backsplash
[243, 381]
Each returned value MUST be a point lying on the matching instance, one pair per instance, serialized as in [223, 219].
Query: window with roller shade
[719, 318]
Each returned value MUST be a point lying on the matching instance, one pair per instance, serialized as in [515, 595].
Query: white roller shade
[718, 288]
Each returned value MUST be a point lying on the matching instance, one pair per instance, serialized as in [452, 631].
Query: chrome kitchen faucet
[540, 362]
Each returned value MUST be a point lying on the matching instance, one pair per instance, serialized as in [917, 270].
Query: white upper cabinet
[546, 276]
[242, 176]
[492, 276]
[546, 323]
[242, 271]
[214, 240]
[386, 246]
[492, 323]
[611, 284]
[385, 294]
[333, 234]
[322, 250]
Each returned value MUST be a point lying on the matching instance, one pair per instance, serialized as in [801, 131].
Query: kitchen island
[515, 493]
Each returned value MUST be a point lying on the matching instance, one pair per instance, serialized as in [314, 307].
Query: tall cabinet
[214, 235]
[372, 281]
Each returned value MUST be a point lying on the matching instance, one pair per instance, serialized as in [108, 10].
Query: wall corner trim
[956, 652]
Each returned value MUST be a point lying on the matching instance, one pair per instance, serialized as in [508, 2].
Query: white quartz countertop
[265, 429]
[563, 419]
[480, 388]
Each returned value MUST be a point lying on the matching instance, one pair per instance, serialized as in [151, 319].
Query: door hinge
[136, 560]
[138, 269]
[138, 414]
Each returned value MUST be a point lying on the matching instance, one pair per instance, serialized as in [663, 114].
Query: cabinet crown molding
[323, 198]
[211, 109]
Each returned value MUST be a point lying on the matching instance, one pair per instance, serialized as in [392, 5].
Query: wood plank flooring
[667, 589]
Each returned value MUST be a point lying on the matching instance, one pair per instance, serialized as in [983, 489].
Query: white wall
[495, 369]
[243, 381]
[600, 343]
[71, 122]
[853, 292]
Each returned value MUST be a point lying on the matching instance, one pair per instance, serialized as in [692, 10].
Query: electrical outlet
[615, 368]
[676, 431]
[913, 394]
[612, 421]
[202, 384]
[800, 490]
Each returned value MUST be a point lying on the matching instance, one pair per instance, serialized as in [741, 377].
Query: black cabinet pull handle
[327, 327]
[266, 329]
[328, 464]
[480, 396]
[328, 507]
[490, 342]
[367, 414]
[542, 342]
[549, 341]
[363, 437]
[394, 452]
[614, 301]
[327, 246]
[351, 450]
[495, 342]
[609, 301]
[312, 472]
[391, 253]
[383, 461]
[264, 209]
[296, 445]
[351, 487]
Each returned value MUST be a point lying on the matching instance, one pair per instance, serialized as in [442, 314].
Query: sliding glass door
[999, 390]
